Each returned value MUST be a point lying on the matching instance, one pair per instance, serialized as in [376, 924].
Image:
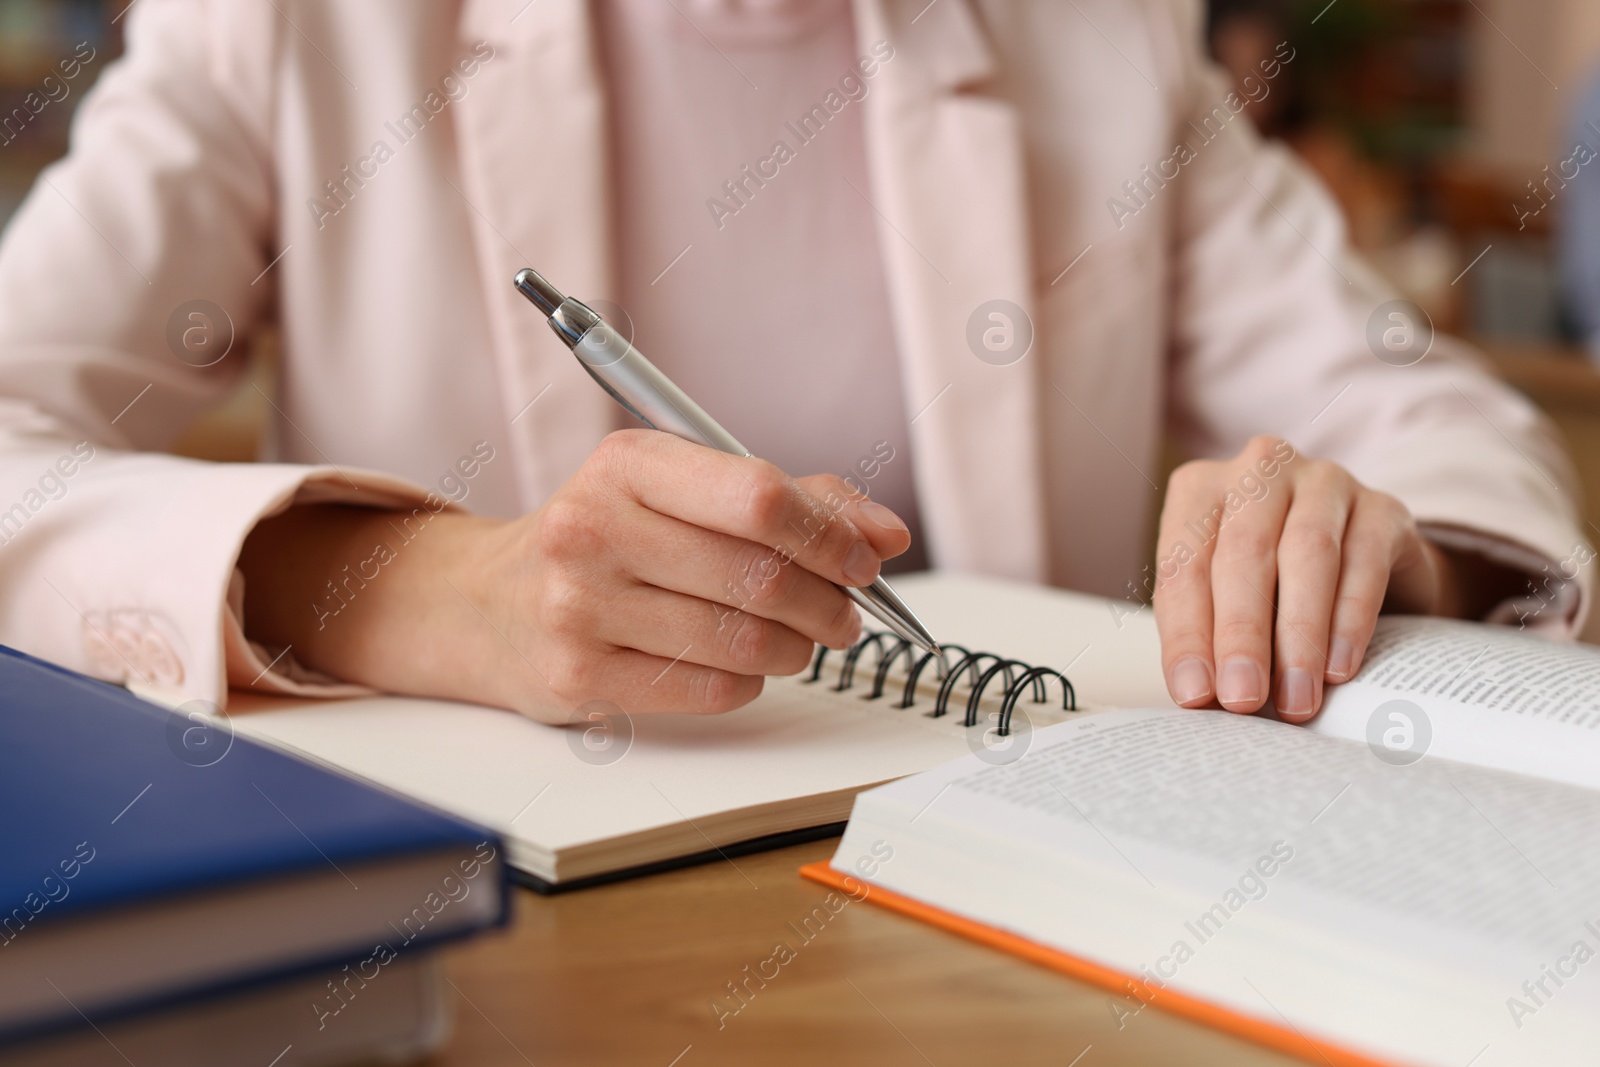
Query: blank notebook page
[547, 792]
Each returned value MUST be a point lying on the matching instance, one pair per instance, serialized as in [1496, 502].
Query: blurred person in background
[1241, 35]
[1578, 221]
[959, 266]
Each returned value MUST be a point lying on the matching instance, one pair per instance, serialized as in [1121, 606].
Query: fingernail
[861, 564]
[1191, 681]
[880, 516]
[1341, 659]
[1239, 682]
[1297, 693]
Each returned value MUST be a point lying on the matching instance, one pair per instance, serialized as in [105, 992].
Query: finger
[640, 683]
[739, 575]
[1244, 573]
[881, 526]
[687, 629]
[1183, 583]
[739, 496]
[1373, 542]
[1308, 578]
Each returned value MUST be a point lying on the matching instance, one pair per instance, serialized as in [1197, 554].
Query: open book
[1414, 879]
[624, 795]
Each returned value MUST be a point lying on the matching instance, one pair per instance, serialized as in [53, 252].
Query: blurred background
[1434, 123]
[36, 36]
[1462, 138]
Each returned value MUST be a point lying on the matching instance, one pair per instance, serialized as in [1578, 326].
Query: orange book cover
[1284, 1038]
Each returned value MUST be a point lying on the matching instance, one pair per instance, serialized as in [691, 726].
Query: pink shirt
[996, 132]
[748, 258]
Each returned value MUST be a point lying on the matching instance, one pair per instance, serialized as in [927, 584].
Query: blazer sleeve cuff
[251, 664]
[1558, 594]
[130, 574]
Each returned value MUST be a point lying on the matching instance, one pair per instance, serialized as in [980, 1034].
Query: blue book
[149, 856]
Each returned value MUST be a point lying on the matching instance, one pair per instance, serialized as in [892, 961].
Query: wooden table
[627, 974]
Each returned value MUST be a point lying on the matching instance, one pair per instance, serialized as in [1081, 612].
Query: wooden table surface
[628, 974]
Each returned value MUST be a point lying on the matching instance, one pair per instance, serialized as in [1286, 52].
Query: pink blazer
[370, 175]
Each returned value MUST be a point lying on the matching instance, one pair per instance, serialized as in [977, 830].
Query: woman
[970, 257]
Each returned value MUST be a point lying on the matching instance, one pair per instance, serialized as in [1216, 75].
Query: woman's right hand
[663, 577]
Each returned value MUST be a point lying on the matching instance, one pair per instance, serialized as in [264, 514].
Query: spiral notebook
[608, 798]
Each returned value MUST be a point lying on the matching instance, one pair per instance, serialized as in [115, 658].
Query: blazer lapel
[532, 136]
[948, 185]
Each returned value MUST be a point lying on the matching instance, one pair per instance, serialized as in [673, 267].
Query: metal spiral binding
[1019, 677]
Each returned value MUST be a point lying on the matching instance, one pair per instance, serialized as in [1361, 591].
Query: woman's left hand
[1271, 571]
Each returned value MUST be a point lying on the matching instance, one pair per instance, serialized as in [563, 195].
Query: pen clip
[618, 397]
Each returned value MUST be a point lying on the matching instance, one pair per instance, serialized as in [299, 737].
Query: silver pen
[635, 383]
